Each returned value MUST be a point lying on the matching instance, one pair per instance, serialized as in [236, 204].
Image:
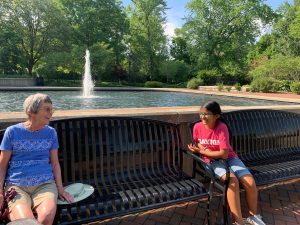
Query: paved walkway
[270, 96]
[279, 204]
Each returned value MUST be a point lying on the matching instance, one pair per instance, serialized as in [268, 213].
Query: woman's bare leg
[21, 211]
[46, 211]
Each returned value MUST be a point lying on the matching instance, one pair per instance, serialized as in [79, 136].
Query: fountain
[66, 99]
[88, 84]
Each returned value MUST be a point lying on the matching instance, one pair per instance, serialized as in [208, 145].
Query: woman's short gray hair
[34, 102]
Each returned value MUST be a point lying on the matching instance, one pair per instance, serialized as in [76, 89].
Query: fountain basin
[72, 99]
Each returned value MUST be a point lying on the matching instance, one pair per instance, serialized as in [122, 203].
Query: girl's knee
[233, 182]
[248, 183]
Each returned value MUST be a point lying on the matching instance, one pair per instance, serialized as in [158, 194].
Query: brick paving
[279, 204]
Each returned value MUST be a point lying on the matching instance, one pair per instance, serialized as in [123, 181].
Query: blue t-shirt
[29, 164]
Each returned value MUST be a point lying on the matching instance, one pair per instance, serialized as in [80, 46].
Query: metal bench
[267, 141]
[134, 164]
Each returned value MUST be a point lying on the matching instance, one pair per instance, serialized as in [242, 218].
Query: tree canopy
[219, 33]
[220, 41]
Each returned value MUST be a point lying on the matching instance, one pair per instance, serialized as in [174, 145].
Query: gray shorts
[235, 165]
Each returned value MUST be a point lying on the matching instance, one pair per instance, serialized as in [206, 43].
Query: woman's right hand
[65, 196]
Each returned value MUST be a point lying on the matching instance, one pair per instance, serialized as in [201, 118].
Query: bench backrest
[263, 133]
[103, 148]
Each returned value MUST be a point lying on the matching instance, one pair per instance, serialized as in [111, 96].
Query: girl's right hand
[193, 148]
[1, 200]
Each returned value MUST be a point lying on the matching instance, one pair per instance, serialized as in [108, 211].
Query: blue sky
[176, 12]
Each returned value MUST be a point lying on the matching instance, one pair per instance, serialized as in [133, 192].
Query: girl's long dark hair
[215, 109]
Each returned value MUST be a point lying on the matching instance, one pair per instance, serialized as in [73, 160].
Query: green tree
[295, 25]
[38, 25]
[12, 59]
[219, 33]
[284, 32]
[179, 49]
[174, 71]
[283, 40]
[147, 42]
[99, 21]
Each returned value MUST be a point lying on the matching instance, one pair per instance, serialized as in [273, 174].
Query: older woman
[29, 163]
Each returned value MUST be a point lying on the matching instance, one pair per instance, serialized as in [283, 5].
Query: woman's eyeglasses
[48, 109]
[206, 115]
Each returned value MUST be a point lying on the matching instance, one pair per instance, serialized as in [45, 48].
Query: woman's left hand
[65, 196]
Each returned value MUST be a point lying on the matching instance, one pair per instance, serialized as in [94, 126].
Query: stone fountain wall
[178, 115]
[17, 82]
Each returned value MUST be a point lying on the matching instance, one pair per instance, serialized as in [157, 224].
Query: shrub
[194, 83]
[295, 87]
[246, 87]
[220, 86]
[209, 77]
[265, 84]
[153, 84]
[285, 85]
[228, 88]
[280, 68]
[238, 86]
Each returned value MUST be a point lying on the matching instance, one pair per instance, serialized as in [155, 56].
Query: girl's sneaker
[255, 220]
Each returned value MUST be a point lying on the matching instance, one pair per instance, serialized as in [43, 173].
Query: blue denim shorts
[235, 165]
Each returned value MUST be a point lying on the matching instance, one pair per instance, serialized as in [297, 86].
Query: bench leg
[210, 197]
[225, 203]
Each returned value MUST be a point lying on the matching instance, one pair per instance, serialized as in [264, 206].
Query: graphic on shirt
[208, 141]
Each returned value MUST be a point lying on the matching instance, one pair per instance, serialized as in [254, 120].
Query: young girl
[212, 140]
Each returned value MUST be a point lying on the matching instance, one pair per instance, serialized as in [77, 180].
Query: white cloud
[263, 29]
[169, 29]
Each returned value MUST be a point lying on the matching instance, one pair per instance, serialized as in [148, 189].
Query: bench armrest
[208, 168]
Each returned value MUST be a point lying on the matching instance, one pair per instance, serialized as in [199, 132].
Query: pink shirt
[214, 139]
